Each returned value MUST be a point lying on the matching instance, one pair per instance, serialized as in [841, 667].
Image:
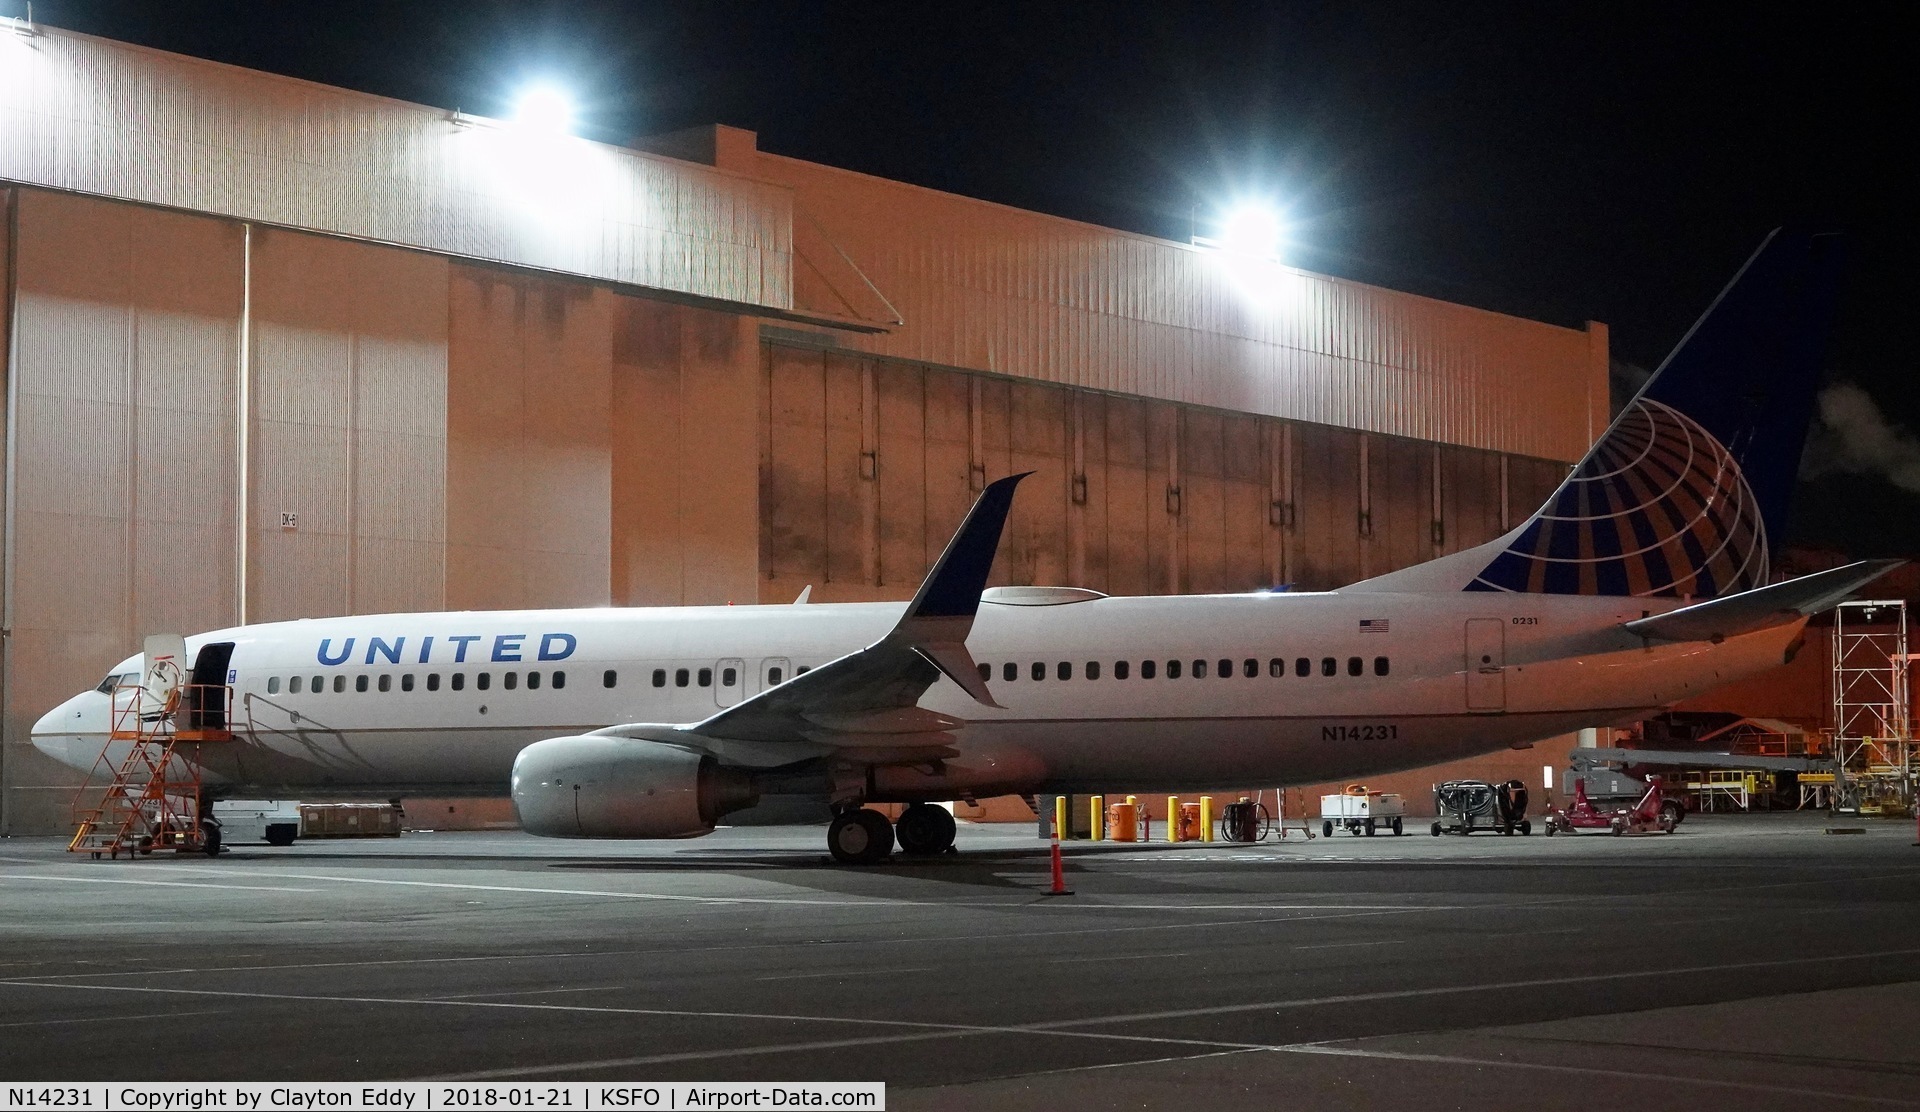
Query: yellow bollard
[1060, 816]
[1206, 818]
[1098, 806]
[1173, 818]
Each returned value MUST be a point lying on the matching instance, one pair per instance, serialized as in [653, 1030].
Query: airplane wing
[1762, 607]
[869, 700]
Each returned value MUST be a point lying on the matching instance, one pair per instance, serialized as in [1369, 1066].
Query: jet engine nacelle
[615, 787]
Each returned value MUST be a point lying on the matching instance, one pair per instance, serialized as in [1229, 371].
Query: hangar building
[275, 349]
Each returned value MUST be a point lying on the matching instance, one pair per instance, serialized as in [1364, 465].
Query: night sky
[1559, 163]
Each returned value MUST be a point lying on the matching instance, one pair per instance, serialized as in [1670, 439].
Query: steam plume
[1855, 437]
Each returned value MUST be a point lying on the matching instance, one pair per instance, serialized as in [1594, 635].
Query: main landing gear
[862, 836]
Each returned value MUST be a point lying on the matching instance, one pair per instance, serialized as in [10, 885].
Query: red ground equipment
[1644, 817]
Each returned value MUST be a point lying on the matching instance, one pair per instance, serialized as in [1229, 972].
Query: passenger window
[339, 684]
[1146, 669]
[1226, 670]
[1173, 669]
[706, 677]
[359, 683]
[986, 672]
[1039, 670]
[1063, 671]
[458, 682]
[1119, 669]
[482, 680]
[433, 681]
[1093, 669]
[1010, 671]
[510, 680]
[1329, 666]
[293, 685]
[1276, 668]
[406, 681]
[273, 685]
[1354, 667]
[728, 677]
[1250, 668]
[682, 677]
[533, 681]
[659, 678]
[775, 675]
[1303, 667]
[559, 680]
[386, 682]
[1380, 665]
[1199, 669]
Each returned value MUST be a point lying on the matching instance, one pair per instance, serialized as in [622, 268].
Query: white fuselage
[1465, 673]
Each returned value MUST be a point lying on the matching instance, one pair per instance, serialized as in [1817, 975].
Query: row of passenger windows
[729, 676]
[456, 681]
[682, 677]
[1223, 668]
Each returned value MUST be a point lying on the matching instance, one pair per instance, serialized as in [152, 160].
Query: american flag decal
[1373, 625]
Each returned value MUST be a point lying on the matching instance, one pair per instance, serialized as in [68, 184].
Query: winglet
[941, 614]
[952, 589]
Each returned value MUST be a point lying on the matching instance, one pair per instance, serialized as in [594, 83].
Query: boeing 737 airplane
[1642, 581]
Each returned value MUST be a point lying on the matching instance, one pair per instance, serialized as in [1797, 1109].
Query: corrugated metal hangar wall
[227, 405]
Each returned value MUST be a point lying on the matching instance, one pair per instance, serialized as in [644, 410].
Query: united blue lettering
[508, 648]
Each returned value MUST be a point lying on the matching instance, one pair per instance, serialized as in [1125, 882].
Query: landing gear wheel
[924, 829]
[860, 837]
[1436, 830]
[1526, 826]
[1326, 829]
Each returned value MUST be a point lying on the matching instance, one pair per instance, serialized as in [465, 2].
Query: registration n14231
[1385, 731]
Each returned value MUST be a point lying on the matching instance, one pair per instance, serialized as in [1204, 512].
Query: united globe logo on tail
[1658, 508]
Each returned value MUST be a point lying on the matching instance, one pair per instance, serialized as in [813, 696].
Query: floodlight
[1251, 229]
[544, 109]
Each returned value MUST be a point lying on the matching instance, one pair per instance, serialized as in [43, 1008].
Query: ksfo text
[418, 1096]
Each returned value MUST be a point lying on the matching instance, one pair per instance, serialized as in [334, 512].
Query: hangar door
[1486, 664]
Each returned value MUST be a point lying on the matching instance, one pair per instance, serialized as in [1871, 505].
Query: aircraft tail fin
[1680, 496]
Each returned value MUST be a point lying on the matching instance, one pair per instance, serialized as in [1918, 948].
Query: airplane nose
[73, 732]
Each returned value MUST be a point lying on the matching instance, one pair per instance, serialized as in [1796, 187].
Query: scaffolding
[1873, 751]
[151, 763]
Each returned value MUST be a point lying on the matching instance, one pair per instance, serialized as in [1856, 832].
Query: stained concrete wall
[867, 466]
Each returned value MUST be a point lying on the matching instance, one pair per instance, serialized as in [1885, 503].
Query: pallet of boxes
[350, 820]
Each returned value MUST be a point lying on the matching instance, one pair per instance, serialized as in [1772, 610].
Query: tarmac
[1751, 962]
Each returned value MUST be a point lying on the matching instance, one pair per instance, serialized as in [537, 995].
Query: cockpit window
[115, 679]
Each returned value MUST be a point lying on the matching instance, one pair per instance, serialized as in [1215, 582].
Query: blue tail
[1680, 496]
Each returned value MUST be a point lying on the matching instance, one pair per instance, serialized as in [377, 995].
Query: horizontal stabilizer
[1762, 607]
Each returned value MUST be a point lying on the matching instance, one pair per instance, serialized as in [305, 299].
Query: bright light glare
[1253, 230]
[544, 109]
